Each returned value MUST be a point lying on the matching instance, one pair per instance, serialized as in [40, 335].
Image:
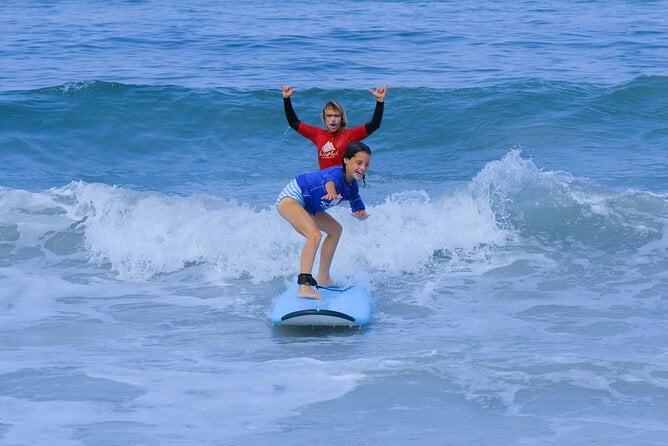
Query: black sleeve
[376, 119]
[290, 114]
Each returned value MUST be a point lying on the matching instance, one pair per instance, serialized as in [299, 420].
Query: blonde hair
[338, 107]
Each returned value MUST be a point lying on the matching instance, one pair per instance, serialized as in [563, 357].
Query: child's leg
[303, 223]
[333, 230]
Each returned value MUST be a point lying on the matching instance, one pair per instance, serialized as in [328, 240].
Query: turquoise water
[516, 250]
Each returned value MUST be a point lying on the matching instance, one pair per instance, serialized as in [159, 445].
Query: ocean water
[517, 249]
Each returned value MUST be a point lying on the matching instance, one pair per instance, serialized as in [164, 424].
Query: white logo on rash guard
[328, 150]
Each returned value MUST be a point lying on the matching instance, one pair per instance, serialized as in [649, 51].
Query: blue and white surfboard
[347, 306]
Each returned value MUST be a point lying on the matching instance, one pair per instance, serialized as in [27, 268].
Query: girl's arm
[361, 214]
[330, 187]
[357, 205]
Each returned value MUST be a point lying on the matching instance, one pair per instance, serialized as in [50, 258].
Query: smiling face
[357, 166]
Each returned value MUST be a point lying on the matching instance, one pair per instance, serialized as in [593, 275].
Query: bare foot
[327, 281]
[308, 292]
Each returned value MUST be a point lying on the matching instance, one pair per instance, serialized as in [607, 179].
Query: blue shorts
[293, 191]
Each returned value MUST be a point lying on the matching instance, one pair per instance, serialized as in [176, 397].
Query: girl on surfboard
[331, 141]
[303, 203]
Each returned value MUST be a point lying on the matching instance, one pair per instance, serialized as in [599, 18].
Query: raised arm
[290, 114]
[377, 117]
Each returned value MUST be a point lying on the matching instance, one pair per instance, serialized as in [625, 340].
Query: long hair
[351, 151]
[338, 107]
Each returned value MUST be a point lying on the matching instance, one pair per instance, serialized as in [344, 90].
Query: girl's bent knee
[314, 237]
[335, 230]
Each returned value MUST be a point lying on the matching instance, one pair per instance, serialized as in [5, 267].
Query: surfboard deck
[348, 306]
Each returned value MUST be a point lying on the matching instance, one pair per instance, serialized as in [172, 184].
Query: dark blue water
[516, 250]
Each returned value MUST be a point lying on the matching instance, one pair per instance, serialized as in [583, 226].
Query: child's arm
[290, 114]
[361, 214]
[357, 205]
[330, 187]
[374, 124]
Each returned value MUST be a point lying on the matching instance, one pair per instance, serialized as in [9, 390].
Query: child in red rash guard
[332, 141]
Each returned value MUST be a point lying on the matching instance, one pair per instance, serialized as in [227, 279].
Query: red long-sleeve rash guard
[332, 145]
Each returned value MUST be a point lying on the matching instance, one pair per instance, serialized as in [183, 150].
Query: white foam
[141, 234]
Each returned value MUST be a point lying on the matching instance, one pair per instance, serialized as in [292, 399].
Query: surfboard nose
[349, 306]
